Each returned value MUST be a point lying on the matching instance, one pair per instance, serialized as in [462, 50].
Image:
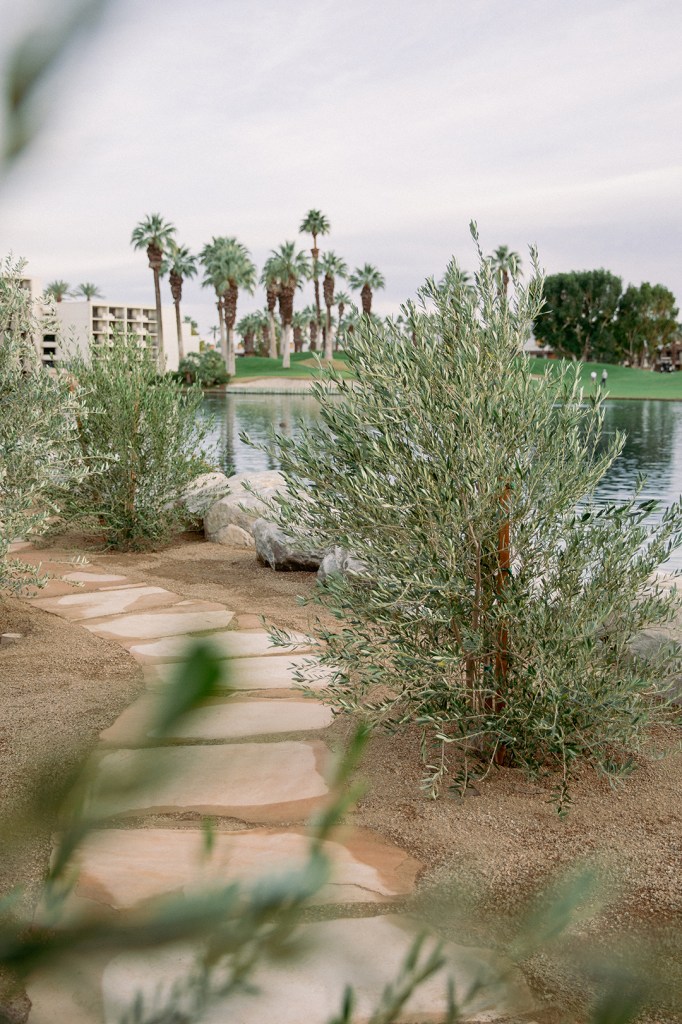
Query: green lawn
[623, 382]
[302, 366]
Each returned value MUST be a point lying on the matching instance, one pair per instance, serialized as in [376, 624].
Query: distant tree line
[588, 316]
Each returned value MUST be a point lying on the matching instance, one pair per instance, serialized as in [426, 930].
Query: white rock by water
[229, 511]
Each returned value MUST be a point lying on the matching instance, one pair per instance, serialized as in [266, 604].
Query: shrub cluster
[207, 369]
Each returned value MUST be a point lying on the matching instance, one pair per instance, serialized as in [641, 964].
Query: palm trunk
[329, 337]
[178, 324]
[366, 299]
[230, 361]
[286, 346]
[160, 354]
[223, 334]
[273, 335]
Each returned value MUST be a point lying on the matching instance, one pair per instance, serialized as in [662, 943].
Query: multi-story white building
[77, 323]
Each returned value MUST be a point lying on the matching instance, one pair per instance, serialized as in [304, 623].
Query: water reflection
[652, 447]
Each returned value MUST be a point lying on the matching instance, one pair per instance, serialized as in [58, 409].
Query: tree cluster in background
[228, 269]
[588, 316]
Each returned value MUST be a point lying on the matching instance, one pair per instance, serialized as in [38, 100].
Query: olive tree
[493, 600]
[37, 427]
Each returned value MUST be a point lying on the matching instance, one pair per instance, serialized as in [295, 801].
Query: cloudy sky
[546, 121]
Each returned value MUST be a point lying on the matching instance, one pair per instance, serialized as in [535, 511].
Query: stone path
[255, 761]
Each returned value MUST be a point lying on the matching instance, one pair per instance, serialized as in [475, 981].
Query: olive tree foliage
[37, 429]
[140, 437]
[495, 600]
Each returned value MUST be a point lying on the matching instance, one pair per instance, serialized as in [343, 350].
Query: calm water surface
[653, 446]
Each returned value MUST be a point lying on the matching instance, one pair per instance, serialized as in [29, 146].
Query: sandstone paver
[121, 868]
[251, 673]
[230, 643]
[257, 782]
[364, 952]
[183, 617]
[108, 601]
[225, 720]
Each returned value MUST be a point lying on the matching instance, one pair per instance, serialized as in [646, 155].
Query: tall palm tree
[311, 315]
[341, 300]
[315, 223]
[505, 262]
[366, 280]
[88, 291]
[181, 265]
[154, 234]
[58, 290]
[291, 268]
[270, 282]
[229, 267]
[332, 266]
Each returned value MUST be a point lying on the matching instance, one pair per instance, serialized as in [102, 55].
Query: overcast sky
[546, 121]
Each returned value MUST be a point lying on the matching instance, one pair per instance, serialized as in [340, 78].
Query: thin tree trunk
[329, 337]
[230, 362]
[223, 333]
[273, 336]
[286, 346]
[178, 324]
[160, 354]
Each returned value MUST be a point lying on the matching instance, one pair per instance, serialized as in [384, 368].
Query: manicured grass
[622, 382]
[302, 366]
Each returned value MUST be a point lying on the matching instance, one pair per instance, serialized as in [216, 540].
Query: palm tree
[181, 265]
[341, 300]
[505, 262]
[299, 323]
[229, 267]
[193, 325]
[154, 234]
[291, 268]
[333, 266]
[311, 316]
[247, 328]
[58, 290]
[315, 223]
[366, 280]
[270, 282]
[88, 291]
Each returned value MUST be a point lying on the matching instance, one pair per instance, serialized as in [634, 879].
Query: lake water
[653, 446]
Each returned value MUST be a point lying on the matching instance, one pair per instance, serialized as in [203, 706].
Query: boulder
[338, 560]
[282, 551]
[204, 491]
[229, 511]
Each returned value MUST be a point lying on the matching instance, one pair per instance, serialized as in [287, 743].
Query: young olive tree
[494, 601]
[141, 439]
[37, 428]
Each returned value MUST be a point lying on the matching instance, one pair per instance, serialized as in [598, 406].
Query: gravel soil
[486, 856]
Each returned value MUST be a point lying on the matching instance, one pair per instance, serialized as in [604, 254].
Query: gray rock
[205, 491]
[235, 537]
[338, 560]
[282, 551]
[229, 511]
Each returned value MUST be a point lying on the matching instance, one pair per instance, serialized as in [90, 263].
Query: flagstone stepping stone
[183, 617]
[248, 673]
[226, 720]
[366, 953]
[109, 601]
[230, 643]
[121, 868]
[257, 782]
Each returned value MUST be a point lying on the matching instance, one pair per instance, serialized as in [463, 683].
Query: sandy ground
[485, 855]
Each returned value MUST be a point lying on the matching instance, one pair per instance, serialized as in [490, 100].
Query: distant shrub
[140, 438]
[37, 428]
[204, 368]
